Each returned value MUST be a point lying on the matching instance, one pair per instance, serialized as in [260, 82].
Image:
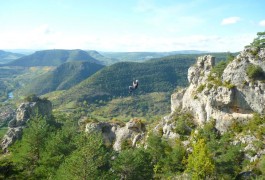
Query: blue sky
[130, 25]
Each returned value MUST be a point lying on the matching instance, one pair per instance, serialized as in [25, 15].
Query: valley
[74, 102]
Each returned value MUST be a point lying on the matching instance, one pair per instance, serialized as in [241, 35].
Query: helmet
[136, 80]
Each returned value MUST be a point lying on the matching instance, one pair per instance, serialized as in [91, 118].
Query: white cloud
[262, 23]
[44, 37]
[230, 20]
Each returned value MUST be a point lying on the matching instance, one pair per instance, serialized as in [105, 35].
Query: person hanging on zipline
[134, 86]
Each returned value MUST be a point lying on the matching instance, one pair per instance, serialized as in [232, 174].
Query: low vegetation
[215, 77]
[255, 72]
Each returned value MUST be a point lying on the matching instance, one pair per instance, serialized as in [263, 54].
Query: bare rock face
[6, 114]
[236, 96]
[23, 114]
[115, 135]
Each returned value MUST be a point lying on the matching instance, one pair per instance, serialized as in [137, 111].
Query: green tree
[172, 163]
[156, 147]
[88, 161]
[261, 165]
[60, 145]
[27, 152]
[259, 41]
[227, 156]
[200, 163]
[7, 168]
[133, 164]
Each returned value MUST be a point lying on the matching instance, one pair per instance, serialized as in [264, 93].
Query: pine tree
[88, 161]
[133, 164]
[27, 152]
[200, 163]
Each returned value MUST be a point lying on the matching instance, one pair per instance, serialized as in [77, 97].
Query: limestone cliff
[114, 134]
[234, 95]
[23, 114]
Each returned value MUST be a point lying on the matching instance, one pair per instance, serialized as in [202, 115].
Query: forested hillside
[161, 75]
[61, 78]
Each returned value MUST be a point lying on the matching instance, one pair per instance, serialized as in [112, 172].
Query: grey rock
[114, 134]
[23, 114]
[222, 103]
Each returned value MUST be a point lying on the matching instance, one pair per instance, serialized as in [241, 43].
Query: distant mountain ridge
[63, 77]
[54, 57]
[141, 56]
[6, 57]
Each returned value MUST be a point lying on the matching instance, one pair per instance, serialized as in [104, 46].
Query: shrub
[228, 85]
[261, 165]
[184, 124]
[255, 72]
[209, 86]
[201, 88]
[219, 68]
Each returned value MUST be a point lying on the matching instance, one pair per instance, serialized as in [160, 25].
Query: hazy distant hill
[142, 56]
[6, 57]
[105, 60]
[53, 58]
[161, 75]
[61, 78]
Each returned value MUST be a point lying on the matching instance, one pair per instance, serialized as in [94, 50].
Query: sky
[130, 25]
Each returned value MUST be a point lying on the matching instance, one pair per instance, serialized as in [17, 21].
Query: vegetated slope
[160, 75]
[145, 106]
[6, 57]
[53, 58]
[61, 78]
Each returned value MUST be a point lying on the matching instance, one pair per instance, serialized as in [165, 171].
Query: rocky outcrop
[233, 96]
[6, 114]
[252, 149]
[23, 114]
[114, 134]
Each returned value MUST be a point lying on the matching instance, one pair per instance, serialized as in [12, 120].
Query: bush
[201, 88]
[255, 72]
[219, 68]
[184, 124]
[32, 98]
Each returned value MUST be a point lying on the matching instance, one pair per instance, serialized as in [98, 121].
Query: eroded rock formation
[236, 96]
[114, 134]
[23, 114]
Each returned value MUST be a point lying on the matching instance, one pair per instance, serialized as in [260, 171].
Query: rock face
[114, 134]
[6, 114]
[236, 96]
[23, 114]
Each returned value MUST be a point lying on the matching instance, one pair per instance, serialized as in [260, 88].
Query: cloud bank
[230, 20]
